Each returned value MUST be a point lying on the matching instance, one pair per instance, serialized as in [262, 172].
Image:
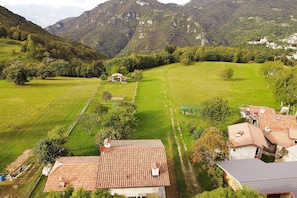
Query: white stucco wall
[246, 152]
[138, 192]
[289, 158]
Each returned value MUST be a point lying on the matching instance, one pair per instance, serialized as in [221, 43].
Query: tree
[106, 95]
[57, 132]
[209, 148]
[137, 75]
[285, 86]
[46, 71]
[49, 149]
[170, 48]
[81, 192]
[18, 73]
[226, 73]
[107, 132]
[215, 111]
[122, 118]
[229, 193]
[89, 121]
[270, 69]
[118, 123]
[100, 109]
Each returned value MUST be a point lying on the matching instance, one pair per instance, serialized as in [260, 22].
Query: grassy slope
[28, 112]
[10, 51]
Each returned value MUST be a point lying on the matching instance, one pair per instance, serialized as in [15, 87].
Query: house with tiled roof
[279, 129]
[277, 179]
[246, 141]
[133, 168]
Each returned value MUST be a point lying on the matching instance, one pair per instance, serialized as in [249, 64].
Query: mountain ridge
[120, 27]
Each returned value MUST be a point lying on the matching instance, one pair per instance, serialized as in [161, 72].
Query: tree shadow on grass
[237, 79]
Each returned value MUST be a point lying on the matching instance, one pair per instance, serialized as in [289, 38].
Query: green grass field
[29, 111]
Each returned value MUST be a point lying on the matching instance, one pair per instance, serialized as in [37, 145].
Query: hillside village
[270, 132]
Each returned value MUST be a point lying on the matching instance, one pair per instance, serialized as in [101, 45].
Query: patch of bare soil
[117, 98]
[19, 161]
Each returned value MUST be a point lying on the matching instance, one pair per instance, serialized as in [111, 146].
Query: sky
[86, 4]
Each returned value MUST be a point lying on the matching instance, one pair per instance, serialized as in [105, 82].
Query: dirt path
[193, 187]
[19, 161]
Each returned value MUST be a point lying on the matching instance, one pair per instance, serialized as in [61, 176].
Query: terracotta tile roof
[77, 171]
[245, 134]
[282, 128]
[280, 138]
[269, 118]
[128, 163]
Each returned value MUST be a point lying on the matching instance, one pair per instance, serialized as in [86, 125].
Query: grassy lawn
[28, 112]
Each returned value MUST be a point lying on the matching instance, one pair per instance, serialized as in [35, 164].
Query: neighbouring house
[133, 168]
[273, 179]
[246, 141]
[117, 77]
[279, 129]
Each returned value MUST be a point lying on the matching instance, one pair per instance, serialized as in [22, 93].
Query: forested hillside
[40, 48]
[119, 27]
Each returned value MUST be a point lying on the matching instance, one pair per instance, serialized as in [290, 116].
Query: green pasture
[28, 112]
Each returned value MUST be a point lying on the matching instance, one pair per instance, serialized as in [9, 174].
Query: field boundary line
[135, 93]
[70, 129]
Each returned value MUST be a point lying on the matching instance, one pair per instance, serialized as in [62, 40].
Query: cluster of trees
[69, 192]
[186, 55]
[283, 80]
[20, 72]
[229, 193]
[210, 144]
[50, 148]
[115, 123]
[118, 123]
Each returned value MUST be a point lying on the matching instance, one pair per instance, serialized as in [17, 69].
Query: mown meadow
[30, 111]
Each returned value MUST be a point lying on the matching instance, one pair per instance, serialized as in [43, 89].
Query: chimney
[107, 142]
[239, 133]
[61, 181]
[267, 129]
[155, 170]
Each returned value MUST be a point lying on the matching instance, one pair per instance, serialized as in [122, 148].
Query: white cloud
[87, 4]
